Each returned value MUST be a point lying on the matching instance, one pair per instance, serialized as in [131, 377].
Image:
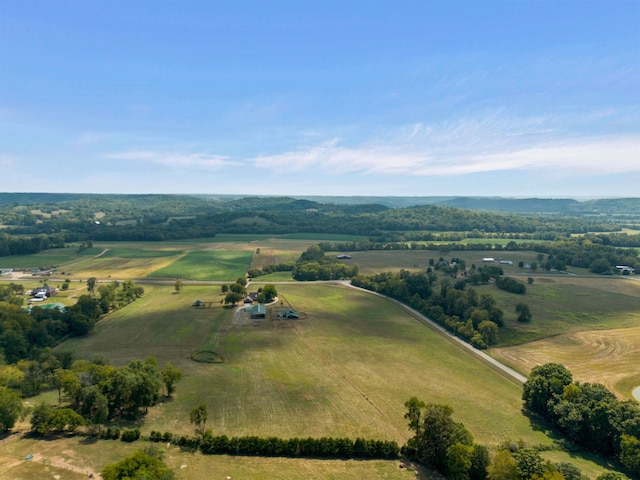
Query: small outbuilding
[258, 311]
[290, 313]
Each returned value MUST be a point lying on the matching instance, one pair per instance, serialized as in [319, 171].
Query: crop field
[345, 368]
[46, 258]
[221, 265]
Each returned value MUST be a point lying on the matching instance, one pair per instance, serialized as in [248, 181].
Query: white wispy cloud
[174, 159]
[583, 156]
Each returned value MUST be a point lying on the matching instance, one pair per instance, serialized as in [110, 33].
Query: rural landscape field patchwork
[322, 360]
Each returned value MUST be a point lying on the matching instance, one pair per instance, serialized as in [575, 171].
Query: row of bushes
[113, 433]
[325, 447]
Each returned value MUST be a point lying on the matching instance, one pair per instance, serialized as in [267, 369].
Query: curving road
[502, 368]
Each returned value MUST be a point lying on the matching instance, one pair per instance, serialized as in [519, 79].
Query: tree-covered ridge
[48, 213]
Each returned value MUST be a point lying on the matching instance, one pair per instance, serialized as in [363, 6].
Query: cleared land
[225, 265]
[344, 369]
[347, 366]
[610, 357]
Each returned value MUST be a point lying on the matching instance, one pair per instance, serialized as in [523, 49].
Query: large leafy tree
[524, 313]
[545, 384]
[10, 408]
[436, 434]
[170, 376]
[198, 417]
[138, 466]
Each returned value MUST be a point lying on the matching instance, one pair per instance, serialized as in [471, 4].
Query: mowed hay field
[610, 357]
[591, 325]
[345, 368]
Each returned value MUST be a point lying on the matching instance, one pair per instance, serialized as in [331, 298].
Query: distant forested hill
[81, 217]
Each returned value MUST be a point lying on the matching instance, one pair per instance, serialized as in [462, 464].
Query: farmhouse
[6, 271]
[343, 257]
[625, 269]
[43, 292]
[251, 297]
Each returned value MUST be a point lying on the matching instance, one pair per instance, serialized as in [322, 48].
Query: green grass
[124, 252]
[56, 256]
[568, 304]
[346, 369]
[221, 265]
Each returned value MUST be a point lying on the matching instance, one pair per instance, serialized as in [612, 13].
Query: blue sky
[497, 98]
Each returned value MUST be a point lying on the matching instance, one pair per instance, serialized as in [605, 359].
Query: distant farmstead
[43, 292]
[625, 269]
[343, 257]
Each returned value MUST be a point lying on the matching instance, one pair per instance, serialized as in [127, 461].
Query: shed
[258, 311]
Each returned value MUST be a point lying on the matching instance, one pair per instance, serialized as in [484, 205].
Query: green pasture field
[589, 324]
[46, 258]
[564, 304]
[376, 261]
[344, 369]
[220, 265]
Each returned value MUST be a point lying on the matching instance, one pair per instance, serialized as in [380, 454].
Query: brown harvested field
[610, 357]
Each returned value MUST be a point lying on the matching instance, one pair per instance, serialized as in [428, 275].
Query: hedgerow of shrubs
[130, 435]
[325, 447]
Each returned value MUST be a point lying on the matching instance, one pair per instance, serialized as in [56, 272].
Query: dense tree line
[588, 414]
[313, 265]
[98, 392]
[12, 245]
[453, 305]
[587, 252]
[268, 269]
